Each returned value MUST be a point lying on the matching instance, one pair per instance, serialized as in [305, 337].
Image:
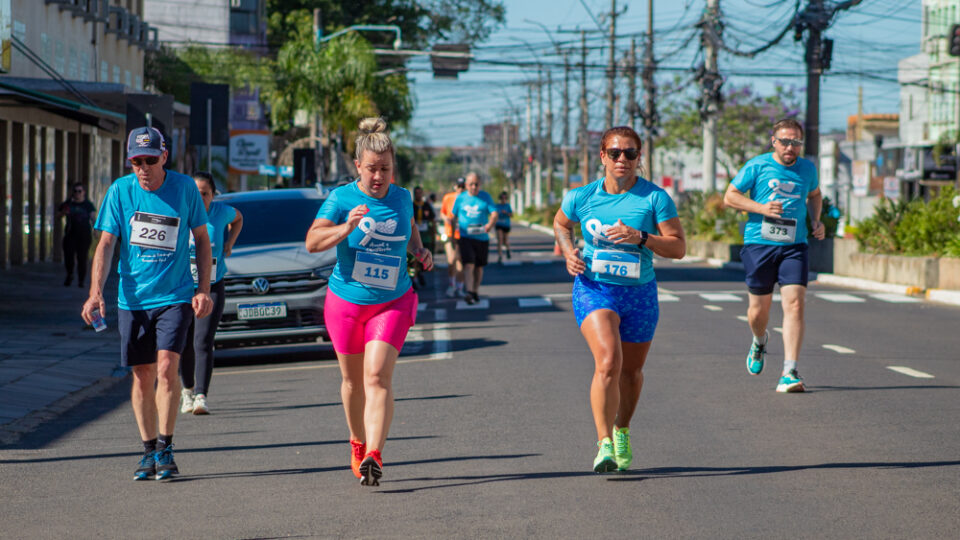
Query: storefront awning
[90, 115]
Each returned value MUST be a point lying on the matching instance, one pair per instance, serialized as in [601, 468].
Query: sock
[453, 282]
[762, 340]
[459, 285]
[164, 441]
[789, 365]
[150, 446]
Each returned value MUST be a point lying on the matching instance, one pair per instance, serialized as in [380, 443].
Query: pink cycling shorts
[351, 325]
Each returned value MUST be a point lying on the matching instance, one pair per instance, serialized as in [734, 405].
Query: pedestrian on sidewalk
[196, 364]
[370, 304]
[77, 232]
[624, 220]
[426, 220]
[504, 213]
[784, 191]
[451, 240]
[474, 215]
[150, 214]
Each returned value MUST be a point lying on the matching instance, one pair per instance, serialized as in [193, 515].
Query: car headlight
[323, 272]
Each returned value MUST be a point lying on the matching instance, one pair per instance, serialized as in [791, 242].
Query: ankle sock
[150, 446]
[789, 365]
[164, 441]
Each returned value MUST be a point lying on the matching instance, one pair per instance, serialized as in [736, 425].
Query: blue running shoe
[756, 354]
[790, 382]
[166, 466]
[147, 467]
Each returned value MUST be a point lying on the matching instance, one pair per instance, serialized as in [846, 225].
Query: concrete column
[16, 194]
[4, 156]
[44, 194]
[84, 158]
[59, 190]
[116, 160]
[73, 168]
[32, 205]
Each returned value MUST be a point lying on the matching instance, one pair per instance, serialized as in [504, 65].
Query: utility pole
[548, 150]
[316, 121]
[528, 177]
[566, 121]
[650, 110]
[631, 108]
[538, 154]
[612, 64]
[584, 138]
[711, 86]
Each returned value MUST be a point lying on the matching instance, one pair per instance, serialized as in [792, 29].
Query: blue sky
[868, 41]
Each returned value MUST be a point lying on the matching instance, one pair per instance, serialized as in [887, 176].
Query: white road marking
[840, 298]
[839, 349]
[665, 297]
[512, 263]
[535, 302]
[540, 253]
[743, 318]
[911, 372]
[778, 329]
[422, 306]
[895, 298]
[709, 307]
[543, 262]
[483, 304]
[440, 314]
[559, 296]
[777, 297]
[720, 297]
[441, 343]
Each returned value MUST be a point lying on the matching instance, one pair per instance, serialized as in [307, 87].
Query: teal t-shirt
[473, 212]
[153, 228]
[765, 179]
[503, 214]
[372, 261]
[642, 207]
[220, 215]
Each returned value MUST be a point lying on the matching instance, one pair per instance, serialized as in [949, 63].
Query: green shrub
[705, 217]
[914, 228]
[543, 216]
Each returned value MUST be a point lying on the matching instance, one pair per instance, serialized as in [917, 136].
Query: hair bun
[373, 125]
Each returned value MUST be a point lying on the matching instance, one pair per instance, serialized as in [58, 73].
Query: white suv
[274, 288]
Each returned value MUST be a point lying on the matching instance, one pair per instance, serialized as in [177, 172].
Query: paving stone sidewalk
[49, 359]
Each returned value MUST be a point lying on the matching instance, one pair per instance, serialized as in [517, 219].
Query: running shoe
[357, 451]
[469, 299]
[790, 382]
[605, 460]
[147, 467]
[200, 404]
[186, 400]
[166, 466]
[508, 253]
[371, 469]
[621, 447]
[756, 354]
[451, 292]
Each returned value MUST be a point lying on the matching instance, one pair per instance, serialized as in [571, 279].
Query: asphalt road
[493, 435]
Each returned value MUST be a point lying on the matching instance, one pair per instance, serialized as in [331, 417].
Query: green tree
[743, 125]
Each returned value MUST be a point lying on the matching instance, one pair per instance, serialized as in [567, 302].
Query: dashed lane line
[710, 307]
[743, 318]
[664, 297]
[910, 372]
[534, 302]
[840, 298]
[839, 349]
[895, 298]
[720, 297]
[482, 304]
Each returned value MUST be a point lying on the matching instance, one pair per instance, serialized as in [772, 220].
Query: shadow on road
[698, 472]
[904, 387]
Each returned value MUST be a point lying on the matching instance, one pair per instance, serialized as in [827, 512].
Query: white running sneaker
[200, 404]
[186, 400]
[451, 291]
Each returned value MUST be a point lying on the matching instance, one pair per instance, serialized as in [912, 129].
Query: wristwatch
[643, 237]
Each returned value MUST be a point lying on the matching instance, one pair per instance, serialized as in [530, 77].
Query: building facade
[213, 23]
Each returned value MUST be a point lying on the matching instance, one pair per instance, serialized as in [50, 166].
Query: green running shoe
[756, 354]
[790, 383]
[605, 462]
[621, 447]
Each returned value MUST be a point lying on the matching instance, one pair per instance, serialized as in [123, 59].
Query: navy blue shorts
[768, 265]
[637, 306]
[144, 332]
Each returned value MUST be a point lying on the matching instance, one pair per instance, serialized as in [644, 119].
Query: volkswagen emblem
[261, 285]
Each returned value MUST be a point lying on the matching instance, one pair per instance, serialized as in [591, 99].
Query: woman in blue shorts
[370, 303]
[624, 219]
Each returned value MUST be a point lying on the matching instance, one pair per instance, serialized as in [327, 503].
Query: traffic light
[826, 54]
[453, 58]
[955, 40]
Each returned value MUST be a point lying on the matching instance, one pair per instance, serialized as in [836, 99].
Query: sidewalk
[49, 359]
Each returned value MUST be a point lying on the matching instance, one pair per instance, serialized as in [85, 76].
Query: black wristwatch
[643, 237]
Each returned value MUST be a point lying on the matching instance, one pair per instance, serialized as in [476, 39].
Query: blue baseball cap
[145, 141]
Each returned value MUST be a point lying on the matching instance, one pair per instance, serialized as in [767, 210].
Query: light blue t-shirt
[220, 215]
[764, 179]
[154, 230]
[642, 208]
[473, 212]
[372, 262]
[503, 214]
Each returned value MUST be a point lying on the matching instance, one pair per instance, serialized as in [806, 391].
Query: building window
[139, 81]
[104, 71]
[244, 16]
[60, 58]
[116, 74]
[128, 79]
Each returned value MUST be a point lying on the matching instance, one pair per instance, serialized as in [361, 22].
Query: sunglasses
[629, 153]
[140, 162]
[78, 190]
[789, 142]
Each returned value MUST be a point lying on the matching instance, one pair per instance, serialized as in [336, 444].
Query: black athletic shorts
[474, 251]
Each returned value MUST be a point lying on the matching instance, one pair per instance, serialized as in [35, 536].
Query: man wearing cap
[150, 214]
[451, 237]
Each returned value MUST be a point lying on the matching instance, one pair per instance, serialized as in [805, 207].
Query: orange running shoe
[357, 451]
[371, 469]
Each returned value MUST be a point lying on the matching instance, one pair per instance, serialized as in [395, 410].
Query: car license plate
[265, 310]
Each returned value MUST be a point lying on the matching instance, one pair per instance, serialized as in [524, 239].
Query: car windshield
[273, 222]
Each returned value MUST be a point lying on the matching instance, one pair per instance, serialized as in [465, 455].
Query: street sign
[248, 149]
[218, 96]
[860, 173]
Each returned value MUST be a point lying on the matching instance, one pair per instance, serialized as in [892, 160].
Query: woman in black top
[77, 232]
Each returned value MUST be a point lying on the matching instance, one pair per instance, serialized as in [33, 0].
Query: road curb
[12, 432]
[944, 296]
[537, 227]
[866, 284]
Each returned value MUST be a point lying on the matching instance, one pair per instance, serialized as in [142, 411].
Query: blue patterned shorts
[637, 306]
